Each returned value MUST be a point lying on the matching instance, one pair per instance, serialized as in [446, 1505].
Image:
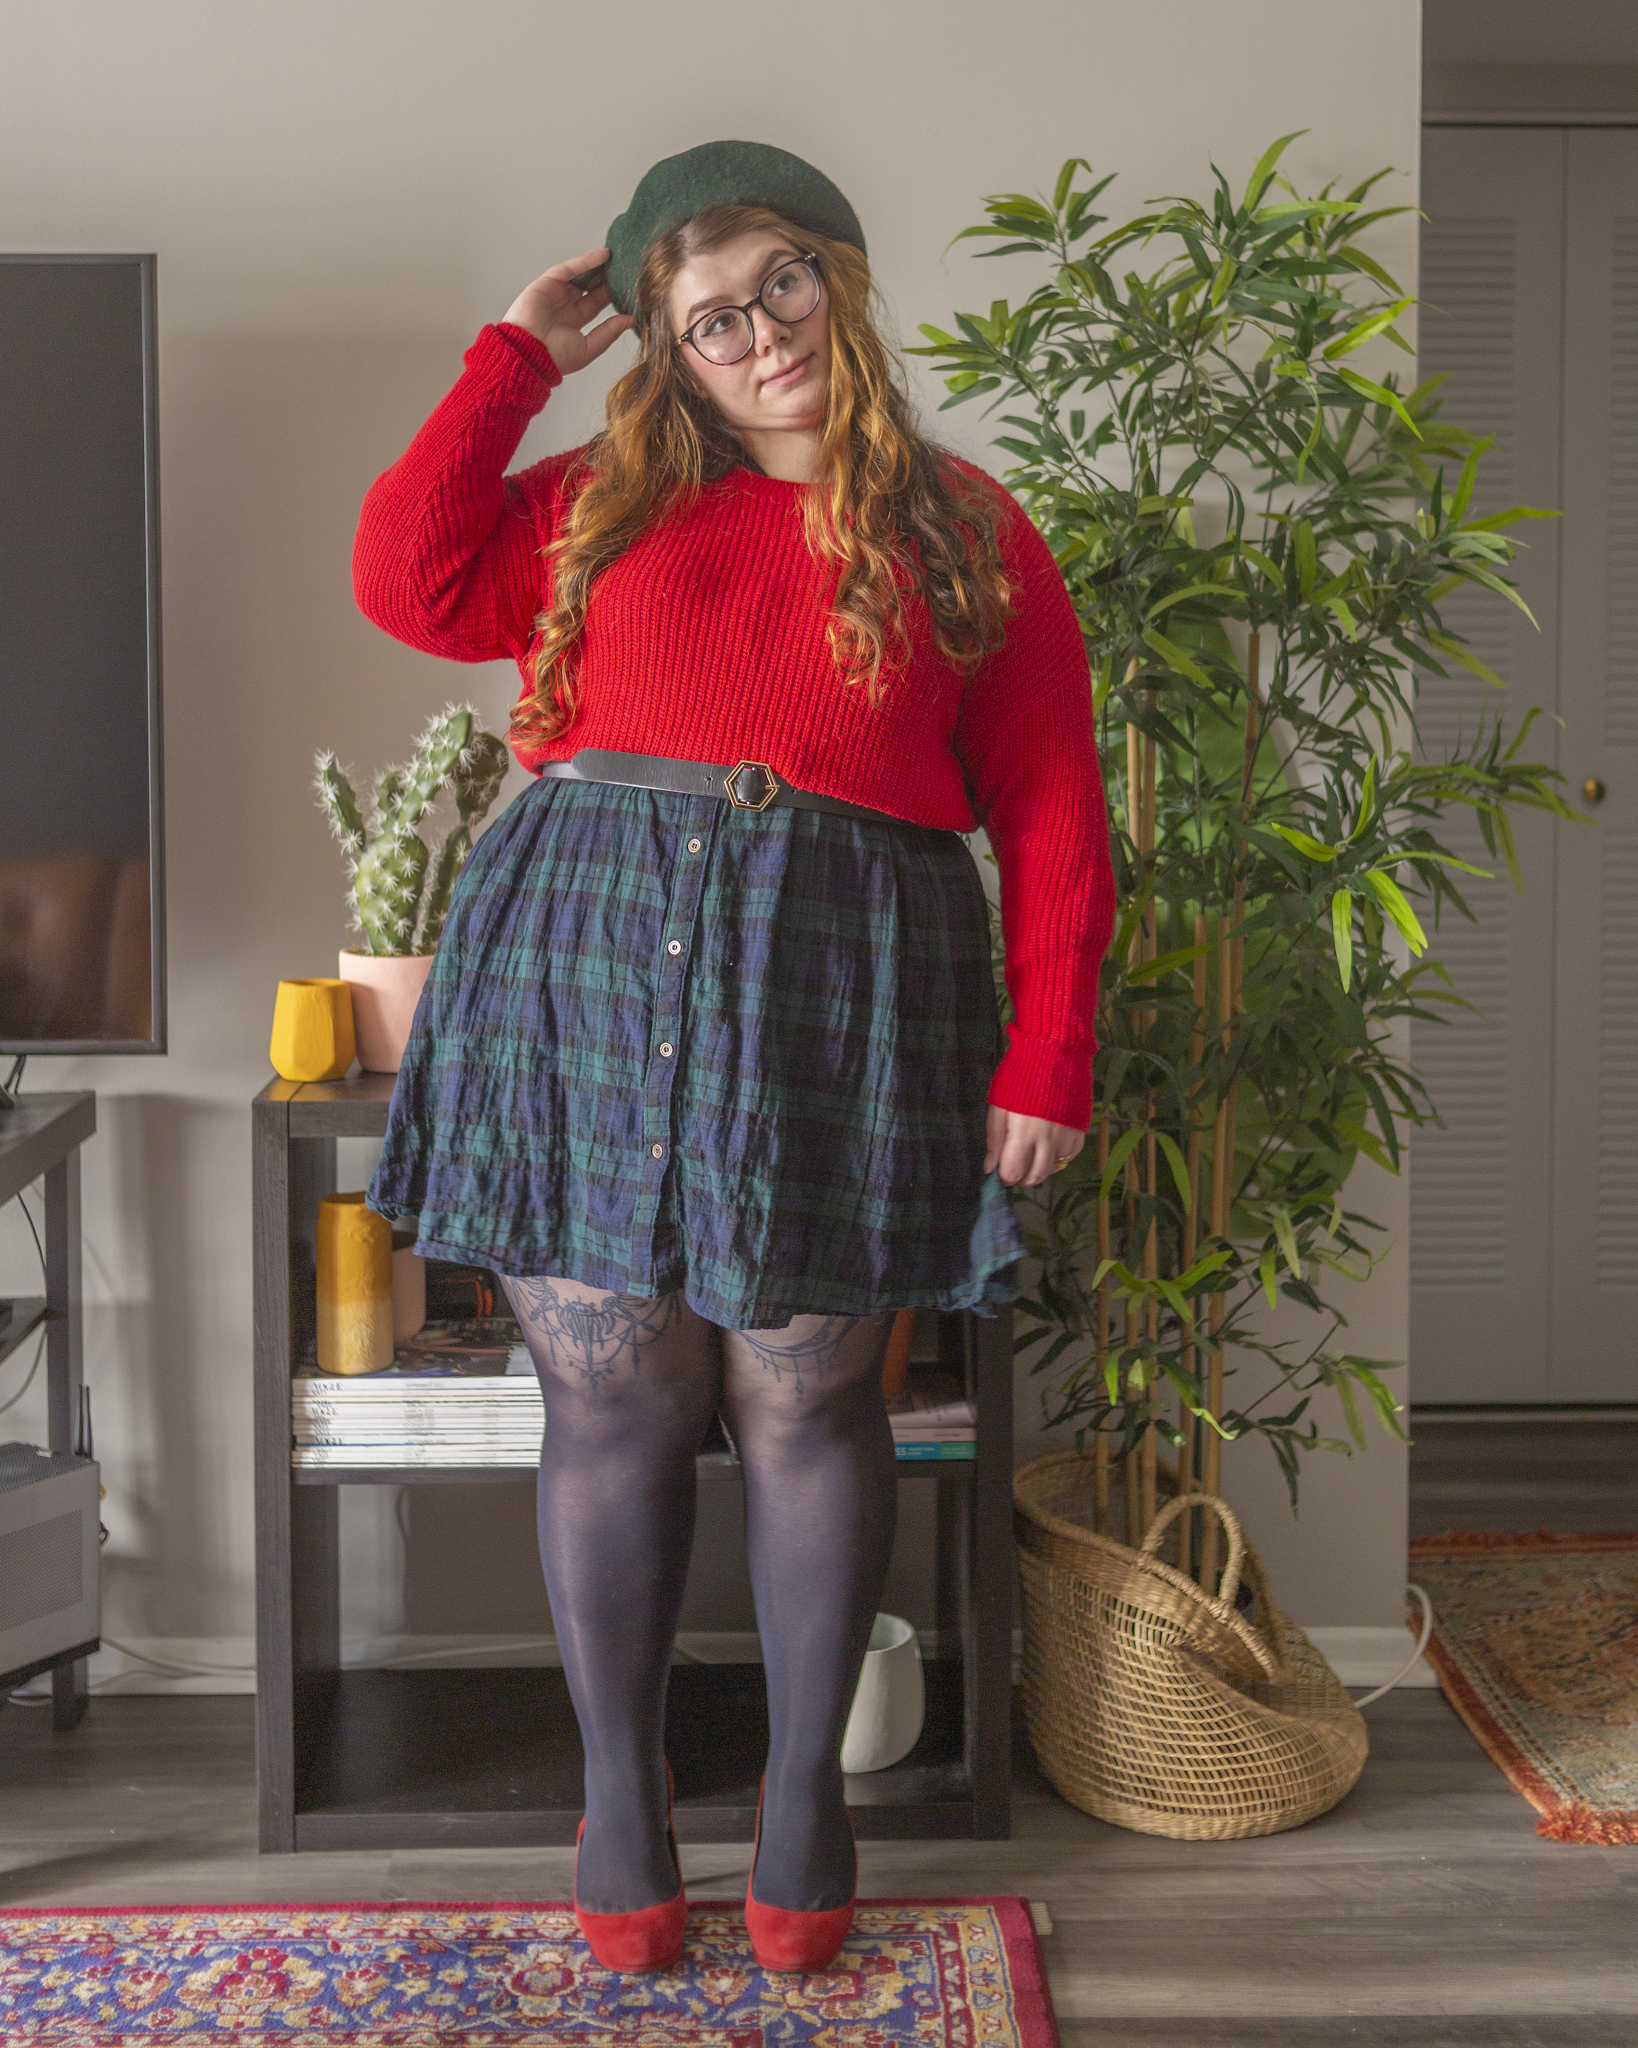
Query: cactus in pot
[400, 891]
[399, 916]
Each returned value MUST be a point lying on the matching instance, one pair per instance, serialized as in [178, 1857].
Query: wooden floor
[1425, 1910]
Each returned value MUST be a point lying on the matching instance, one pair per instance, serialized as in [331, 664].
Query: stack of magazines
[455, 1394]
[464, 1393]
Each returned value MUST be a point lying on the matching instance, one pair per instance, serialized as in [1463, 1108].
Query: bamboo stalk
[1151, 1268]
[1191, 1243]
[1134, 1498]
[1221, 1193]
[1230, 976]
[1100, 1449]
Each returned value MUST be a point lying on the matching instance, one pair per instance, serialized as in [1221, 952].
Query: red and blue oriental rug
[1536, 1646]
[914, 1973]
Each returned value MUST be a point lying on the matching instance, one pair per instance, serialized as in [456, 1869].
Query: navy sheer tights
[630, 1388]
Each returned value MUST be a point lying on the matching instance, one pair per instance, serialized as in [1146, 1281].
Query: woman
[708, 1068]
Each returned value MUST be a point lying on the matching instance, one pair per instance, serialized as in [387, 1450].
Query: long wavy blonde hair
[879, 485]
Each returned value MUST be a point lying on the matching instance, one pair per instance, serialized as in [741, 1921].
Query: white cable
[1415, 1655]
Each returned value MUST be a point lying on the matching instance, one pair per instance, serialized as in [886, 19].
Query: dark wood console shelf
[352, 1758]
[41, 1136]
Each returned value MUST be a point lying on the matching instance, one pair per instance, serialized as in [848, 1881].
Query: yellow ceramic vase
[312, 1030]
[354, 1286]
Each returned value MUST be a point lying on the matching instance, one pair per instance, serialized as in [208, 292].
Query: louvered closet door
[1594, 1349]
[1481, 1247]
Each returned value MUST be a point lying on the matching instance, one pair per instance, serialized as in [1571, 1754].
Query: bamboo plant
[1258, 537]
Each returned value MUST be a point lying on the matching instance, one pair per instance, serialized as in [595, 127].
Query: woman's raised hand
[555, 311]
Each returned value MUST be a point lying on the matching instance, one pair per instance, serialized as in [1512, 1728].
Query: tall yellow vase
[312, 1030]
[354, 1286]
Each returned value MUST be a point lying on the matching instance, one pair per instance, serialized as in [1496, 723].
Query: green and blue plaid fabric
[668, 1044]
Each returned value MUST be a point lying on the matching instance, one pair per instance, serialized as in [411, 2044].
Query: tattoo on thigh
[816, 1351]
[591, 1338]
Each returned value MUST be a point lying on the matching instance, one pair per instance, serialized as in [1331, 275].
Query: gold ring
[1062, 1163]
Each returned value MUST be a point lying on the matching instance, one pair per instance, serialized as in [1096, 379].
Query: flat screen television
[82, 932]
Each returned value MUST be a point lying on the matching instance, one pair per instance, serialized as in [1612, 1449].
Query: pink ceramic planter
[385, 993]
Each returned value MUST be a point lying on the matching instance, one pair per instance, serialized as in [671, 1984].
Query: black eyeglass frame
[810, 262]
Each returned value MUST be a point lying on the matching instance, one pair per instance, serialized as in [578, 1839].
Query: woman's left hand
[1027, 1148]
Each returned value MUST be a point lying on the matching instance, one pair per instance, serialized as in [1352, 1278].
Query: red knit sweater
[706, 642]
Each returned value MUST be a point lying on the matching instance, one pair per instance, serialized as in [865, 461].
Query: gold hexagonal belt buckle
[740, 785]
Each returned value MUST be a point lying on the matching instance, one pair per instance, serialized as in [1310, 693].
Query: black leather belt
[747, 785]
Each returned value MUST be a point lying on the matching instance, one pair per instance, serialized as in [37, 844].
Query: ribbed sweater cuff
[1044, 1077]
[527, 347]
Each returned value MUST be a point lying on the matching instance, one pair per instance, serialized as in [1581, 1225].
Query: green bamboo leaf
[1302, 539]
[1180, 1171]
[1388, 1409]
[1286, 209]
[1220, 590]
[1175, 658]
[1165, 963]
[1463, 493]
[1392, 898]
[1342, 933]
[1372, 325]
[1263, 170]
[1261, 561]
[1202, 1269]
[1362, 1141]
[1494, 582]
[1286, 1238]
[1268, 1272]
[1369, 264]
[1066, 181]
[1379, 394]
[1314, 848]
[1495, 522]
[1350, 1407]
[1367, 803]
[1467, 659]
[1119, 1153]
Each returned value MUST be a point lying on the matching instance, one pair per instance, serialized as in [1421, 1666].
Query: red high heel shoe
[784, 1940]
[650, 1938]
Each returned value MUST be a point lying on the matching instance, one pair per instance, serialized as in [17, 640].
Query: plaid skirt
[669, 1044]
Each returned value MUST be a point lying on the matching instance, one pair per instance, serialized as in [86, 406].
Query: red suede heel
[650, 1938]
[783, 1940]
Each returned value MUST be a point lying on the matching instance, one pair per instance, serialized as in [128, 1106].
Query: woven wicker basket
[1157, 1706]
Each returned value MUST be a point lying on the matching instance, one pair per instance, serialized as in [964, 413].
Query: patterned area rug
[914, 1973]
[1536, 1645]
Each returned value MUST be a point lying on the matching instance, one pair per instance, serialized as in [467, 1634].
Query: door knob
[1593, 790]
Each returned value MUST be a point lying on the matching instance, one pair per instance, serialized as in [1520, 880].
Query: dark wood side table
[42, 1134]
[353, 1759]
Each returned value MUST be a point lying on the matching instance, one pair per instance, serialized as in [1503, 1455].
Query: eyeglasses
[726, 334]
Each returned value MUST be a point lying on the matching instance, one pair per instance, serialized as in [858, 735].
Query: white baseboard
[166, 1664]
[1361, 1657]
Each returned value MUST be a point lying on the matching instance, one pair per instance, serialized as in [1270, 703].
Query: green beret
[722, 174]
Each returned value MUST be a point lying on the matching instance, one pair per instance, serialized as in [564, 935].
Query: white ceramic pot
[385, 993]
[888, 1707]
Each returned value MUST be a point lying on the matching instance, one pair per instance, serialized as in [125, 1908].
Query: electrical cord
[39, 1349]
[39, 1353]
[1422, 1642]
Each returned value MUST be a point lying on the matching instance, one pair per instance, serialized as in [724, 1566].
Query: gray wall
[340, 192]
